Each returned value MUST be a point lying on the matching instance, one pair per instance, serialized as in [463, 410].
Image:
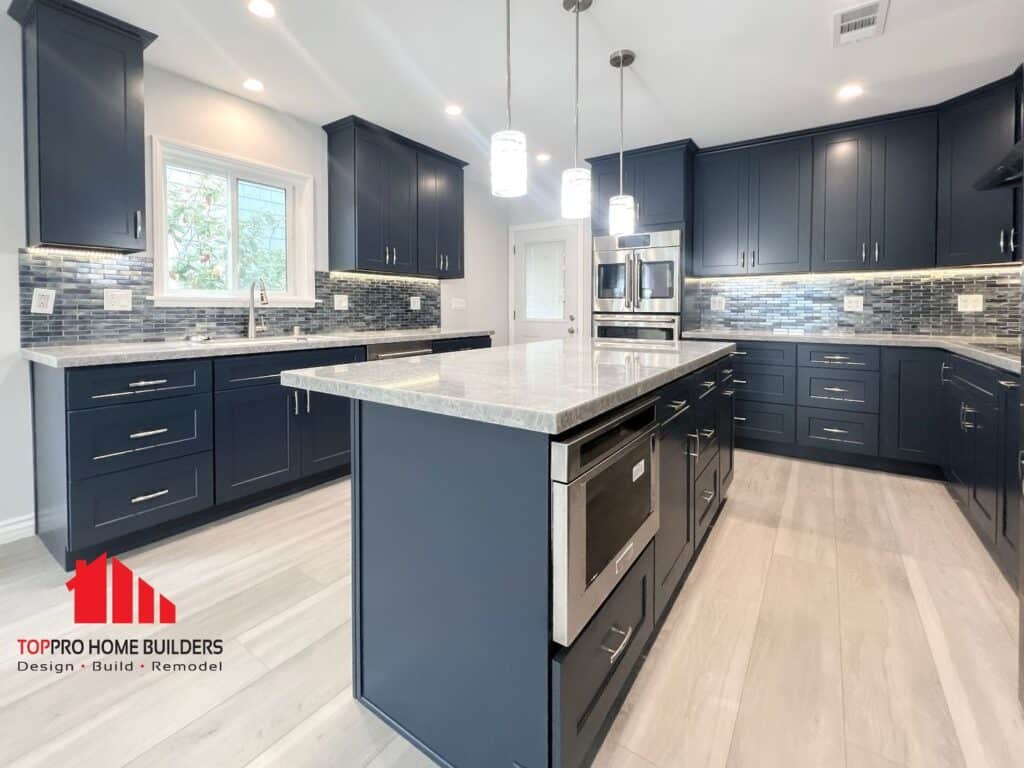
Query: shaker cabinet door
[780, 207]
[842, 201]
[721, 213]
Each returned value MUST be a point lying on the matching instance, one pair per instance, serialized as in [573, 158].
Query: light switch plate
[458, 304]
[117, 300]
[717, 303]
[970, 302]
[415, 302]
[43, 301]
[853, 303]
[341, 302]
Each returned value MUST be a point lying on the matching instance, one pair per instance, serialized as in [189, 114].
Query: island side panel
[452, 583]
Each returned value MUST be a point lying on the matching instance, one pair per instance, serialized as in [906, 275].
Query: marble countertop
[544, 386]
[1001, 353]
[80, 355]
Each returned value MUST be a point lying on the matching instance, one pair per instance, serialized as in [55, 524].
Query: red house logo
[90, 587]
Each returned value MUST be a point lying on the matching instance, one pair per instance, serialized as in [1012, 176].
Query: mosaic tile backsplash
[923, 302]
[78, 318]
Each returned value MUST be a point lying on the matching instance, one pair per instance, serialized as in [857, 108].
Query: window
[222, 223]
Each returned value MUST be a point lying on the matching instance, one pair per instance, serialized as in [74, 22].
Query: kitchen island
[503, 586]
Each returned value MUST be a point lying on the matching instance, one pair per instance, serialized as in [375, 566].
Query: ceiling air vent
[860, 22]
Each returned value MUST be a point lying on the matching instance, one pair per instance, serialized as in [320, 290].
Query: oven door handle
[637, 266]
[629, 282]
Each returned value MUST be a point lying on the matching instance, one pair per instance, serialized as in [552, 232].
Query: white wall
[16, 512]
[485, 287]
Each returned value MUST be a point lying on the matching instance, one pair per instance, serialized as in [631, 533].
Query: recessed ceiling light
[543, 158]
[453, 110]
[253, 85]
[850, 91]
[262, 8]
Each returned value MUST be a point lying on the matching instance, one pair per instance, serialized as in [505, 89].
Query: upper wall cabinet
[753, 210]
[659, 179]
[84, 123]
[975, 132]
[874, 196]
[380, 184]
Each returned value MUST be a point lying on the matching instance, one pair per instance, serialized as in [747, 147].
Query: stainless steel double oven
[604, 513]
[638, 284]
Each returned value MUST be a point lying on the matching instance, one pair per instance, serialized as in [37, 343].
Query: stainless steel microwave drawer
[588, 676]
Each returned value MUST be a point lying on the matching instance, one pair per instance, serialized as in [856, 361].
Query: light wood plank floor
[836, 618]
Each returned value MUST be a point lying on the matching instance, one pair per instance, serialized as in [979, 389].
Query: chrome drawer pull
[835, 357]
[729, 392]
[148, 496]
[707, 434]
[739, 381]
[679, 405]
[1008, 383]
[153, 383]
[708, 384]
[614, 653]
[835, 431]
[695, 436]
[836, 389]
[727, 371]
[738, 354]
[942, 373]
[739, 418]
[148, 433]
[708, 496]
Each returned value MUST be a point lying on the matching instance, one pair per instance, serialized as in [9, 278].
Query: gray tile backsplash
[375, 303]
[922, 302]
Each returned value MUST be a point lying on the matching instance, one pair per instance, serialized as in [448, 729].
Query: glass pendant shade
[576, 193]
[621, 215]
[508, 164]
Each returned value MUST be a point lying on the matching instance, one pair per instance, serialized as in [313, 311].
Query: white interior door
[545, 283]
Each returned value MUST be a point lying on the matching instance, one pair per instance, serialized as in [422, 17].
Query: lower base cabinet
[911, 395]
[1008, 528]
[587, 678]
[676, 539]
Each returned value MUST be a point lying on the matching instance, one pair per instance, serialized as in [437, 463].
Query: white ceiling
[714, 71]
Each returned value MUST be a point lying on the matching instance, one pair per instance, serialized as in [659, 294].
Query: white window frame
[299, 191]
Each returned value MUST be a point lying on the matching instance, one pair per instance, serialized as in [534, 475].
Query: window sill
[198, 303]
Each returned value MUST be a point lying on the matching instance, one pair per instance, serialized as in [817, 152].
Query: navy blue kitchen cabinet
[911, 396]
[374, 190]
[85, 152]
[660, 179]
[326, 432]
[440, 217]
[458, 345]
[975, 132]
[753, 210]
[1008, 528]
[842, 201]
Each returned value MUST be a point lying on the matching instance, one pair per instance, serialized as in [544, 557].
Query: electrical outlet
[718, 303]
[43, 300]
[117, 300]
[415, 303]
[970, 302]
[341, 302]
[853, 303]
[458, 304]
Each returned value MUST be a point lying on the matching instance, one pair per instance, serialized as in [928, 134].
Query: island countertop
[544, 386]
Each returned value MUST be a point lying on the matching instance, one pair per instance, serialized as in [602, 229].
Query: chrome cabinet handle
[753, 259]
[968, 411]
[295, 393]
[727, 371]
[728, 392]
[942, 373]
[1013, 239]
[835, 431]
[695, 436]
[863, 253]
[743, 260]
[1002, 241]
[387, 255]
[309, 407]
[1020, 466]
[739, 381]
[679, 405]
[139, 229]
[1008, 384]
[708, 496]
[835, 357]
[739, 418]
[153, 383]
[615, 653]
[149, 496]
[962, 406]
[147, 433]
[707, 434]
[876, 251]
[737, 353]
[835, 389]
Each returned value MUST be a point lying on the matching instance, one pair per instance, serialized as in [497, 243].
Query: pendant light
[576, 180]
[508, 147]
[622, 208]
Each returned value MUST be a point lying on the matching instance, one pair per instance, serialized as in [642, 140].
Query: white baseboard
[17, 528]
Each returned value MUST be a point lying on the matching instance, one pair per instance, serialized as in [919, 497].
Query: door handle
[309, 405]
[876, 251]
[139, 226]
[708, 496]
[863, 253]
[615, 653]
[629, 282]
[743, 260]
[753, 259]
[695, 436]
[707, 434]
[942, 374]
[739, 381]
[679, 405]
[1013, 239]
[295, 393]
[1002, 241]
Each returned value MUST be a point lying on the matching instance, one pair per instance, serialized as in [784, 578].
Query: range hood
[1006, 173]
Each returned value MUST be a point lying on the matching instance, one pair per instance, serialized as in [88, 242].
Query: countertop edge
[950, 344]
[71, 357]
[517, 417]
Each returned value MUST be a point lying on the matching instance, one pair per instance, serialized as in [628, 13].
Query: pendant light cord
[576, 123]
[508, 64]
[622, 129]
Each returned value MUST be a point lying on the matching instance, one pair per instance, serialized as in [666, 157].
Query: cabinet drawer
[705, 440]
[841, 390]
[982, 379]
[102, 440]
[457, 345]
[765, 353]
[837, 430]
[834, 356]
[114, 384]
[587, 677]
[106, 507]
[673, 397]
[252, 370]
[765, 383]
[765, 421]
[706, 499]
